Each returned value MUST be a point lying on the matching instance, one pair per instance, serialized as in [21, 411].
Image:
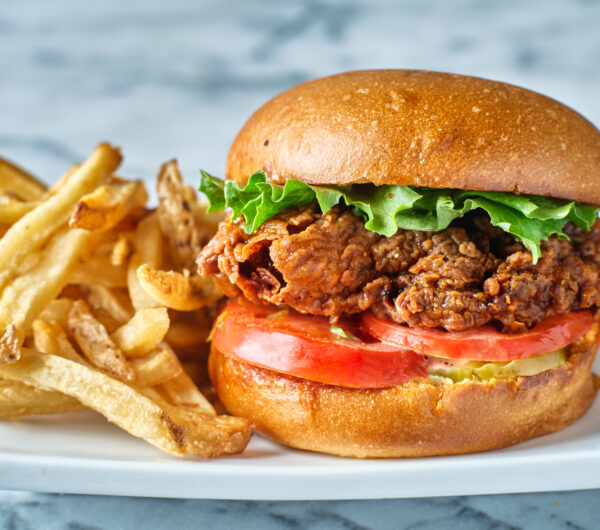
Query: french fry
[148, 246]
[102, 344]
[12, 211]
[100, 271]
[121, 251]
[157, 367]
[208, 435]
[177, 291]
[182, 391]
[25, 298]
[57, 311]
[176, 219]
[148, 241]
[212, 436]
[19, 181]
[143, 332]
[51, 338]
[96, 344]
[33, 229]
[10, 345]
[20, 399]
[108, 305]
[108, 205]
[118, 402]
[140, 299]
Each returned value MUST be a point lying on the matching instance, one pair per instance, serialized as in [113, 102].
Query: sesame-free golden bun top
[414, 127]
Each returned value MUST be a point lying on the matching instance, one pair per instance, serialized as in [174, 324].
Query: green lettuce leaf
[385, 209]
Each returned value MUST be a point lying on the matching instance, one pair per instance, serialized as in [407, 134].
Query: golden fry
[212, 436]
[148, 241]
[109, 306]
[20, 399]
[51, 338]
[157, 367]
[118, 402]
[10, 345]
[176, 219]
[115, 309]
[208, 435]
[19, 181]
[11, 212]
[175, 290]
[25, 298]
[182, 391]
[108, 205]
[100, 271]
[33, 229]
[140, 299]
[96, 344]
[120, 251]
[57, 311]
[143, 332]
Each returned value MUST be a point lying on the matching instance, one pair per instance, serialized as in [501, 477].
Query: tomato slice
[304, 346]
[484, 343]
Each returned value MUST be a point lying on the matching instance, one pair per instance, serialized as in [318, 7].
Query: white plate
[82, 453]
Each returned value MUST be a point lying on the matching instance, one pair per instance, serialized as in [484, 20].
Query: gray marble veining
[543, 511]
[178, 79]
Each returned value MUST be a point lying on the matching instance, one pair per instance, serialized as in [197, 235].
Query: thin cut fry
[57, 311]
[148, 241]
[109, 307]
[182, 391]
[143, 332]
[140, 299]
[20, 399]
[19, 181]
[116, 401]
[208, 435]
[25, 298]
[120, 251]
[12, 211]
[32, 230]
[51, 338]
[108, 205]
[100, 271]
[177, 291]
[156, 368]
[212, 436]
[96, 344]
[102, 344]
[10, 345]
[176, 219]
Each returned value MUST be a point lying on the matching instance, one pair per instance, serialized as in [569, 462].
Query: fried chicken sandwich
[413, 263]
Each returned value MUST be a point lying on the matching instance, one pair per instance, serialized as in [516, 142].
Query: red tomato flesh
[484, 343]
[304, 346]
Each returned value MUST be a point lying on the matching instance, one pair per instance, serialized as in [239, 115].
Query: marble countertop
[178, 79]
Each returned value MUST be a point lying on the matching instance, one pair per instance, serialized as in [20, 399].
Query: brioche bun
[413, 127]
[406, 127]
[418, 418]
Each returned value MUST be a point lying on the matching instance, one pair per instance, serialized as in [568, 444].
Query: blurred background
[179, 78]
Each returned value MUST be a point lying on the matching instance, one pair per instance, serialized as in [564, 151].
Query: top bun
[414, 127]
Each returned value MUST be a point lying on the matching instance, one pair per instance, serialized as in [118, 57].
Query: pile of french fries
[100, 307]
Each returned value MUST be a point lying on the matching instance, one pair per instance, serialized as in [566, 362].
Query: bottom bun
[419, 418]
